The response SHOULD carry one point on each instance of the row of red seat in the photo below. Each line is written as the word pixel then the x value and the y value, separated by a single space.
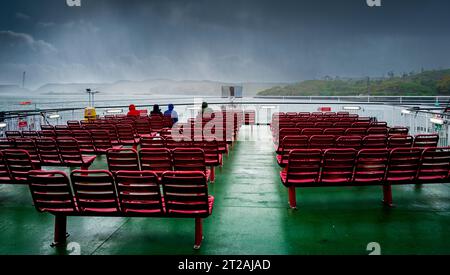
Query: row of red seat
pixel 350 167
pixel 160 160
pixel 314 114
pixel 290 143
pixel 124 194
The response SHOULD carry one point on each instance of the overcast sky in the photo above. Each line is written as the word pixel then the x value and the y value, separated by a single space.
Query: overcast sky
pixel 226 40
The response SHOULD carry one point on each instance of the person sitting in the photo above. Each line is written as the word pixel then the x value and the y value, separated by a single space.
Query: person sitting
pixel 156 111
pixel 133 112
pixel 171 113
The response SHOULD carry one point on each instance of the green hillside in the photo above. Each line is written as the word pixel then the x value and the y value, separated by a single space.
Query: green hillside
pixel 427 83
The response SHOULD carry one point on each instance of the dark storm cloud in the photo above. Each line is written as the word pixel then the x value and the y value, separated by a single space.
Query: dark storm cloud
pixel 234 40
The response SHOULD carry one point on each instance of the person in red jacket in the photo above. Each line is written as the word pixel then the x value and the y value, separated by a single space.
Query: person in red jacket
pixel 133 112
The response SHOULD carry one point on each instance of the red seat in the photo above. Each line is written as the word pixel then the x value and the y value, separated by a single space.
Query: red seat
pixel 7 143
pixel 434 165
pixel 303 168
pixel 48 152
pixel 334 131
pixel 63 133
pixel 5 176
pixel 61 127
pixel 338 166
pixel 13 134
pixel 157 160
pixel 28 145
pixel 47 134
pixel 371 165
pixel 51 192
pixel 139 193
pixel 288 144
pixel 403 165
pixel 377 131
pixel 74 125
pixel 322 142
pixel 122 159
pixel 186 194
pixel 354 142
pixel 356 132
pixel 30 134
pixel 399 131
pixel 190 159
pixel 143 127
pixel 343 124
pixel 400 141
pixel 126 135
pixel 85 141
pixel 323 124
pixel 47 128
pixel 19 164
pixel 102 141
pixel 312 131
pixel 374 142
pixel 95 191
pixel 426 141
pixel 153 142
pixel 71 154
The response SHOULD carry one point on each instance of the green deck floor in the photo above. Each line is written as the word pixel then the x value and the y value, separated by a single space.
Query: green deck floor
pixel 250 217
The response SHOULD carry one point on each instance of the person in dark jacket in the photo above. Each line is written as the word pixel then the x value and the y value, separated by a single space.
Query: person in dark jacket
pixel 156 111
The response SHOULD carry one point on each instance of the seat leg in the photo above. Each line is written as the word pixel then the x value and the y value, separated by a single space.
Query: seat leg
pixel 61 235
pixel 387 195
pixel 198 233
pixel 292 198
pixel 213 174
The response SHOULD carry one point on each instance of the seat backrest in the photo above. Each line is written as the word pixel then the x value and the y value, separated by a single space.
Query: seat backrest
pixel 125 131
pixel 334 131
pixel 28 145
pixel 354 142
pixel 95 191
pixel 48 150
pixel 322 142
pixel 153 142
pixel 303 166
pixel 47 134
pixel 19 164
pixel 186 193
pixel 399 131
pixel 155 159
pixel 5 176
pixel 338 165
pixel 47 127
pixel 324 124
pixel 189 159
pixel 172 144
pixel 74 124
pixel 143 127
pixel 61 127
pixel 63 133
pixel 101 139
pixel 400 141
pixel 434 164
pixel 69 150
pixel 288 132
pixel 356 132
pixel 374 142
pixel 371 166
pixel 7 143
pixel 139 192
pixel 13 134
pixel 290 143
pixel 361 124
pixel 426 141
pixel 312 131
pixel 51 192
pixel 122 159
pixel 404 164
pixel 30 134
pixel 377 131
pixel 343 124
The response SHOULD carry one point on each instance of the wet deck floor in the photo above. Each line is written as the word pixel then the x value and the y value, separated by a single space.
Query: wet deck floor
pixel 250 217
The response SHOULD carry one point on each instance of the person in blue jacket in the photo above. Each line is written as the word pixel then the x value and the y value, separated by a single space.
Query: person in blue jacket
pixel 172 113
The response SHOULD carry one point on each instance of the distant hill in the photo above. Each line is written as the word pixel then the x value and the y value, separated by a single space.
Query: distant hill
pixel 427 83
pixel 153 87
pixel 12 90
